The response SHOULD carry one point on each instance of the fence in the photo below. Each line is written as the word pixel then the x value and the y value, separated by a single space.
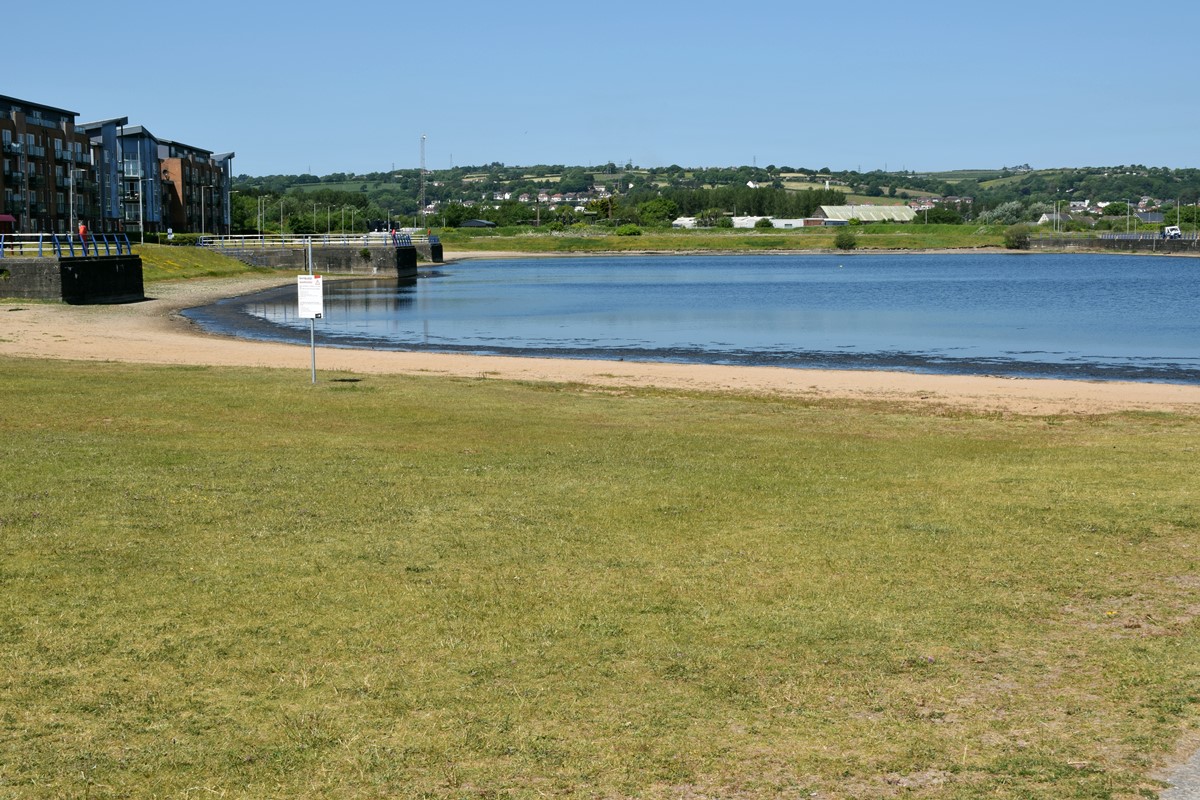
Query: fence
pixel 62 245
pixel 405 238
pixel 1125 242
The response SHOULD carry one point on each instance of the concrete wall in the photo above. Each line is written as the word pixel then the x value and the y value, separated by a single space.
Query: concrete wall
pixel 1150 244
pixel 400 262
pixel 98 279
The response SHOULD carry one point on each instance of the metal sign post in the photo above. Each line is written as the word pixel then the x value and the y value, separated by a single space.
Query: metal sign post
pixel 311 305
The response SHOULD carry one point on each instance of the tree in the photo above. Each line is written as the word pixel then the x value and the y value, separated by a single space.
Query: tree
pixel 938 215
pixel 659 211
pixel 708 217
pixel 845 239
pixel 575 180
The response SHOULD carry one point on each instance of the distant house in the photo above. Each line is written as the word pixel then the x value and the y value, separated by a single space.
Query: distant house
pixel 1050 219
pixel 684 222
pixel 866 213
pixel 477 223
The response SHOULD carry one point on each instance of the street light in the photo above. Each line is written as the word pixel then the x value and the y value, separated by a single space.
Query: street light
pixel 203 217
pixel 72 171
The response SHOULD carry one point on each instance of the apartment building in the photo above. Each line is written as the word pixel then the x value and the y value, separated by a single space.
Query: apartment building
pixel 107 174
pixel 49 179
pixel 195 187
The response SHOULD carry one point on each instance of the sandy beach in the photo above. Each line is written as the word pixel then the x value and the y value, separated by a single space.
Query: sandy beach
pixel 153 332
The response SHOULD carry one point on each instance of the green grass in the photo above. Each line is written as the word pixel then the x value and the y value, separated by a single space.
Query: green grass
pixel 870 237
pixel 229 582
pixel 164 262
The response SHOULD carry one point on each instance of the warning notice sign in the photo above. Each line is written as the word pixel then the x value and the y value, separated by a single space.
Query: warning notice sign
pixel 311 296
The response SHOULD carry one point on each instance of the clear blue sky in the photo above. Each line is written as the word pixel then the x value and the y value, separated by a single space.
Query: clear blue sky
pixel 351 87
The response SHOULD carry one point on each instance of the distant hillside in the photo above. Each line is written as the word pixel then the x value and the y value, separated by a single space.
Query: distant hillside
pixel 529 194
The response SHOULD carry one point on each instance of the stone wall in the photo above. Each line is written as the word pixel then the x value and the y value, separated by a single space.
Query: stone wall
pixel 92 279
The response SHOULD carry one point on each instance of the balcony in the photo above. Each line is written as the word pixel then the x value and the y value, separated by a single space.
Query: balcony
pixel 13 175
pixel 12 147
pixel 37 152
pixel 37 181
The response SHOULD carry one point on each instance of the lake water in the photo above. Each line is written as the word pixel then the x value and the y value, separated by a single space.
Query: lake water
pixel 1033 315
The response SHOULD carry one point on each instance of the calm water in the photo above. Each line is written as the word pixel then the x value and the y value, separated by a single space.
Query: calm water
pixel 1076 316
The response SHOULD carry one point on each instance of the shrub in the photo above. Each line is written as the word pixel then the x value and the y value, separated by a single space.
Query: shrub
pixel 764 223
pixel 845 239
pixel 629 230
pixel 365 254
pixel 177 240
pixel 1016 237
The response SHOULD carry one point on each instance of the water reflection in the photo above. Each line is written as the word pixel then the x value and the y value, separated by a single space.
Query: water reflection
pixel 1068 316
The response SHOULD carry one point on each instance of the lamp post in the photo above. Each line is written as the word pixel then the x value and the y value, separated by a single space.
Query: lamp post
pixel 142 208
pixel 232 192
pixel 72 171
pixel 203 216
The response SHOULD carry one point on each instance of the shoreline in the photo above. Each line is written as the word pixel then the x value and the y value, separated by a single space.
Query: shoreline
pixel 154 332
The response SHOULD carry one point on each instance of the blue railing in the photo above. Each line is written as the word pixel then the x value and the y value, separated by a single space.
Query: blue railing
pixel 63 244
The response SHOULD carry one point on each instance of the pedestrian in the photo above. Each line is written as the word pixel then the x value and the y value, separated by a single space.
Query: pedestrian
pixel 83 235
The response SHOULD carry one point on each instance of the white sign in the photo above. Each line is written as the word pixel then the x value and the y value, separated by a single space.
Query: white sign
pixel 311 296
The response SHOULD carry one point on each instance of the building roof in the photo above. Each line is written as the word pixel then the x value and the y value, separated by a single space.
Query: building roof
pixel 869 213
pixel 16 101
pixel 134 131
pixel 181 145
pixel 100 123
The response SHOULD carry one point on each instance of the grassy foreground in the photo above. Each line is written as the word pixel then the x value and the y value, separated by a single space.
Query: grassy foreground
pixel 229 583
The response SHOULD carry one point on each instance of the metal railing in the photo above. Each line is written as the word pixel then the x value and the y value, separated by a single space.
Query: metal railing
pixel 61 245
pixel 401 238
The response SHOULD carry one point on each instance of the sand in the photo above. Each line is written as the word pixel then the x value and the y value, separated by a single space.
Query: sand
pixel 153 332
